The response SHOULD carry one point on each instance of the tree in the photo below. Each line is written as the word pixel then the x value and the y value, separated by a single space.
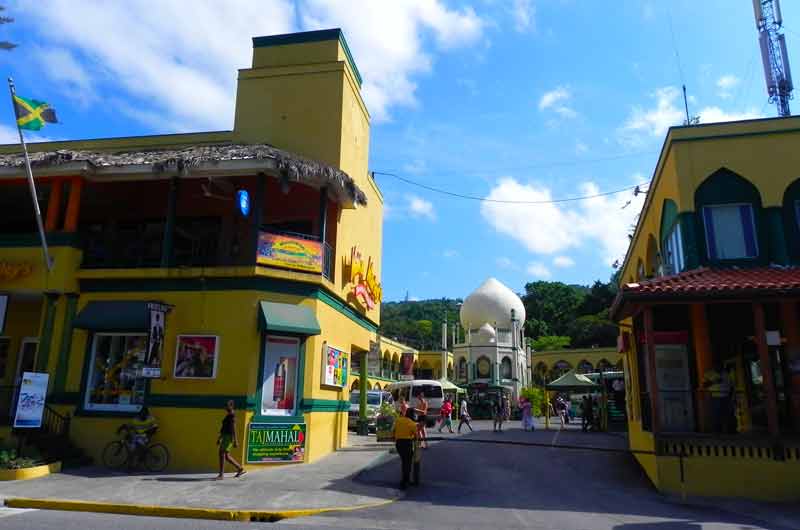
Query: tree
pixel 593 330
pixel 551 342
pixel 6 45
pixel 553 302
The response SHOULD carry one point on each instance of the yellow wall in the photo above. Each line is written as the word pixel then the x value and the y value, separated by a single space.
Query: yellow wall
pixel 23 318
pixel 575 356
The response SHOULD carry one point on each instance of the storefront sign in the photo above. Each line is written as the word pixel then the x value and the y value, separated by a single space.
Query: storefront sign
pixel 30 403
pixel 334 363
pixel 12 271
pixel 3 311
pixel 155 340
pixel 276 442
pixel 278 250
pixel 366 287
pixel 196 357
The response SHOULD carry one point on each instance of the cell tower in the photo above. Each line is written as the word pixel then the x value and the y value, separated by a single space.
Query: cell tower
pixel 774 57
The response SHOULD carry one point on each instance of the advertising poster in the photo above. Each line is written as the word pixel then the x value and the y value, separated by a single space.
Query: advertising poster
pixel 276 442
pixel 30 403
pixel 155 340
pixel 290 252
pixel 407 365
pixel 196 357
pixel 280 376
pixel 334 363
pixel 374 358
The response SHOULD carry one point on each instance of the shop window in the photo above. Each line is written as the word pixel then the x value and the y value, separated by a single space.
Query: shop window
pixel 730 231
pixel 673 251
pixel 279 380
pixel 115 367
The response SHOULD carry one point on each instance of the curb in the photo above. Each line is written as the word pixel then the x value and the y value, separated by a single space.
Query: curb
pixel 29 473
pixel 182 512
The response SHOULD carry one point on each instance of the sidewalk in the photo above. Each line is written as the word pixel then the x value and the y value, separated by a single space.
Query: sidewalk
pixel 274 492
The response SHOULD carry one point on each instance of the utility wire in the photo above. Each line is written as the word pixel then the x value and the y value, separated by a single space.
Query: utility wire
pixel 636 191
pixel 675 45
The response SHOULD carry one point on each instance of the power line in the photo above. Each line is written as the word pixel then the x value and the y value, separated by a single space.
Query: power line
pixel 636 191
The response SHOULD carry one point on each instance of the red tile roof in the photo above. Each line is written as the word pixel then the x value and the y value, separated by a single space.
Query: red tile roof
pixel 706 282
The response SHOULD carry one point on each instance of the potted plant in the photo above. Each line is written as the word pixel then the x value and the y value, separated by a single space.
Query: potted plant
pixel 385 422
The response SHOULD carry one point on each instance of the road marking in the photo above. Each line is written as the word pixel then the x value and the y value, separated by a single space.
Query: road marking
pixel 8 512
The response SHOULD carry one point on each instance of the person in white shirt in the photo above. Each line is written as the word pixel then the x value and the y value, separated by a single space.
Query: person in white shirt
pixel 463 416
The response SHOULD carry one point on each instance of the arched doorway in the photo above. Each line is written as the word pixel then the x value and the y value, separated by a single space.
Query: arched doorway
pixel 354 386
pixel 505 368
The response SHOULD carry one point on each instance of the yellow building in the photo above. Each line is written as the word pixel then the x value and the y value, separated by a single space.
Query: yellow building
pixel 190 269
pixel 383 364
pixel 708 309
pixel 550 365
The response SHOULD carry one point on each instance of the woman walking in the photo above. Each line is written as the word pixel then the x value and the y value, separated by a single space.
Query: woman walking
pixel 463 416
pixel 446 415
pixel 227 440
pixel 527 415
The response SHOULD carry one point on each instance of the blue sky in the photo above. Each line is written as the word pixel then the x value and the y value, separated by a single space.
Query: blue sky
pixel 508 100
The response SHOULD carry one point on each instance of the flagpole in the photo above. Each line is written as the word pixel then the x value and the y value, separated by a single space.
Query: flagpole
pixel 47 260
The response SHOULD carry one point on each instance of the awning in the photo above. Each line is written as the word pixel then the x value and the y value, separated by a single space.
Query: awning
pixel 571 381
pixel 119 315
pixel 287 318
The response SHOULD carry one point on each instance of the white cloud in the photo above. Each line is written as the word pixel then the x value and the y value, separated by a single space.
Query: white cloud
pixel 581 148
pixel 655 121
pixel 563 262
pixel 61 66
pixel 538 270
pixel 726 83
pixel 523 12
pixel 386 39
pixel 557 101
pixel 10 135
pixel 716 114
pixel 554 228
pixel 177 65
pixel 419 208
pixel 669 111
pixel 506 263
pixel 450 253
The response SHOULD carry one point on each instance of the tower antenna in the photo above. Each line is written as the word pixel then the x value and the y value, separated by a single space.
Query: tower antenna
pixel 774 57
pixel 690 120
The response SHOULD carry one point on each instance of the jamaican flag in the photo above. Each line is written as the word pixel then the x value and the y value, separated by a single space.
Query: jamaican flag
pixel 31 113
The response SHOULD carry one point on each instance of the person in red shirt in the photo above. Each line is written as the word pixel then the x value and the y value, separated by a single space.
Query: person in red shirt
pixel 446 413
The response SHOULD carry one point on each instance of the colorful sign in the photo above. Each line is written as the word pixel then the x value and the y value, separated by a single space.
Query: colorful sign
pixel 30 403
pixel 12 271
pixel 290 252
pixel 276 442
pixel 334 364
pixel 196 357
pixel 366 287
pixel 406 365
pixel 155 340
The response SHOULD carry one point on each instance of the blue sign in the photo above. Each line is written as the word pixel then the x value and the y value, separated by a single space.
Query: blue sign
pixel 243 198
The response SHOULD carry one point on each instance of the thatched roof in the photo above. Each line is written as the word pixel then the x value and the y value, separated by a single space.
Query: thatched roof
pixel 185 160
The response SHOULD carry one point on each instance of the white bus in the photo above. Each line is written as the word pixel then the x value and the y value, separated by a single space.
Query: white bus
pixel 409 390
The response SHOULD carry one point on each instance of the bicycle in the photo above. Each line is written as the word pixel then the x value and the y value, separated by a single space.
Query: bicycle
pixel 126 452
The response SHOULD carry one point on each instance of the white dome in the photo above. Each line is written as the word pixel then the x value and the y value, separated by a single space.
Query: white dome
pixel 487 334
pixel 491 302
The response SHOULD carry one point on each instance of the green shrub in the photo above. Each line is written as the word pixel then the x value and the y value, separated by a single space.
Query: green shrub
pixel 536 396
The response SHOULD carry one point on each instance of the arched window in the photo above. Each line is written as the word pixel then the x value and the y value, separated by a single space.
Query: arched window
pixel 604 366
pixel 462 369
pixel 377 386
pixel 729 207
pixel 585 367
pixel 483 368
pixel 395 367
pixel 559 369
pixel 671 240
pixel 354 386
pixel 505 368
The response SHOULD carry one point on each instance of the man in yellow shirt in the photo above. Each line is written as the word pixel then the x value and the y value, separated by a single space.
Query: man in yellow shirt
pixel 405 432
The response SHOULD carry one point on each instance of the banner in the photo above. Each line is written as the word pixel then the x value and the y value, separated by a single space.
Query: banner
pixel 374 358
pixel 30 403
pixel 334 363
pixel 276 442
pixel 289 252
pixel 155 340
pixel 406 366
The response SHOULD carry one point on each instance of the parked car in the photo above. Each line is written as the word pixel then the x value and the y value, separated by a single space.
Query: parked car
pixel 375 398
pixel 409 390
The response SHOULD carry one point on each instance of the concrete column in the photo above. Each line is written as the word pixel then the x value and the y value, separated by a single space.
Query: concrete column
pixel 73 205
pixel 53 206
pixel 766 369
pixel 650 345
pixel 703 359
pixel 791 332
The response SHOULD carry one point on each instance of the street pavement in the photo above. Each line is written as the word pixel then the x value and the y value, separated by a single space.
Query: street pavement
pixel 469 484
